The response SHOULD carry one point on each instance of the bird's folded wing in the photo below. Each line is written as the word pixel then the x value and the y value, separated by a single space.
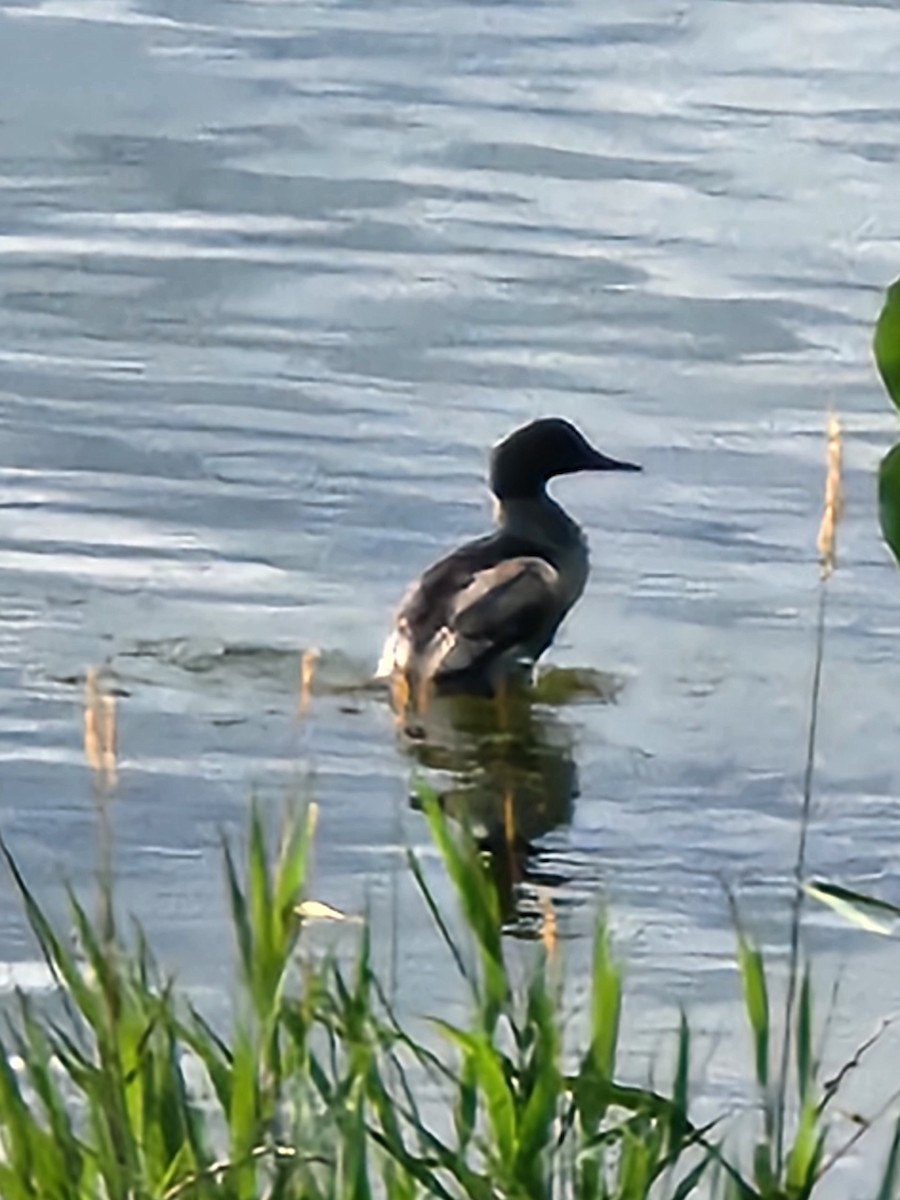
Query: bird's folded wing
pixel 502 608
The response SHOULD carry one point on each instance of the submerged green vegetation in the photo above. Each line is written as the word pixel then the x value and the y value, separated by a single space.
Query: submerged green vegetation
pixel 120 1089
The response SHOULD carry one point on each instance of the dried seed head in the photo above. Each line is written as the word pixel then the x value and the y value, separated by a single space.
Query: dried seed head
pixel 308 661
pixel 100 732
pixel 834 501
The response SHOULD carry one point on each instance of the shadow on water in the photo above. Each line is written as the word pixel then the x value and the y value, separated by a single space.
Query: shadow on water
pixel 509 774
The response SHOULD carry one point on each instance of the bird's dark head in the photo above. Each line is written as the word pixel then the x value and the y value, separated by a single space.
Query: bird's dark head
pixel 523 462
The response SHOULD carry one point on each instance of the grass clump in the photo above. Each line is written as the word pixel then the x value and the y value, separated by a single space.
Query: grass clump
pixel 315 1091
pixel 318 1089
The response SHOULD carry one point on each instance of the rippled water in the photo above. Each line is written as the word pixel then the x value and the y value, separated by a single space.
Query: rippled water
pixel 272 279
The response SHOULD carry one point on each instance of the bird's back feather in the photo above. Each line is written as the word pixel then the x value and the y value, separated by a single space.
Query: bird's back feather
pixel 491 601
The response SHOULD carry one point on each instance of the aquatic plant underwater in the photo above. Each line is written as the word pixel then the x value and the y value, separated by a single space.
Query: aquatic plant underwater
pixel 121 1089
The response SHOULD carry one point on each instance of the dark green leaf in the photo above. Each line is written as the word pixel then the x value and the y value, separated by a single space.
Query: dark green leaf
pixel 887 342
pixel 889 499
pixel 691 1180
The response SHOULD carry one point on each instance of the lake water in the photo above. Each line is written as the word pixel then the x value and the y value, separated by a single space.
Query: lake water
pixel 273 277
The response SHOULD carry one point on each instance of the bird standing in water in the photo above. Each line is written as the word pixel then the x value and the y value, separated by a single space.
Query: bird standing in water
pixel 483 615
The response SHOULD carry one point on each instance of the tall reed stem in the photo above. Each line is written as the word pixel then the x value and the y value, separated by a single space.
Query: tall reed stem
pixel 827 546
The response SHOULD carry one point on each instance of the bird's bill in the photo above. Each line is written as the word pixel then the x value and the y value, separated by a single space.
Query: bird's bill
pixel 602 462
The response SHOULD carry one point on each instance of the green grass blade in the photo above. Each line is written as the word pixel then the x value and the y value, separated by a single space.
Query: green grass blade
pixel 381 1099
pixel 691 1181
pixel 487 1070
pixel 35 1050
pixel 437 916
pixel 474 1185
pixel 478 900
pixel 763 1171
pixel 355 1182
pixel 100 956
pixel 889 1181
pixel 805 1063
pixel 606 1004
pixel 16 1120
pixel 397 1181
pixel 293 861
pixel 321 1080
pixel 60 961
pixel 422 1169
pixel 498 1100
pixel 13 1186
pixel 212 1052
pixel 240 917
pixel 243 1116
pixel 260 915
pixel 635 1166
pixel 180 1118
pixel 540 1083
pixel 466 1107
pixel 682 1078
pixel 756 1002
pixel 805 1155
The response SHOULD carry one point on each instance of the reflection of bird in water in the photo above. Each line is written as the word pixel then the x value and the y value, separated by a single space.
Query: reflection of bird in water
pixel 482 616
pixel 513 778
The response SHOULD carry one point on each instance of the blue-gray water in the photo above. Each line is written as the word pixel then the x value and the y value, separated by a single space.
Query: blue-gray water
pixel 273 277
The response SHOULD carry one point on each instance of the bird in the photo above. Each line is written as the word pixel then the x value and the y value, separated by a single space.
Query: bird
pixel 481 617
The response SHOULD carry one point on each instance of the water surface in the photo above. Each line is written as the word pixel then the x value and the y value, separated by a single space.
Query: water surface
pixel 272 280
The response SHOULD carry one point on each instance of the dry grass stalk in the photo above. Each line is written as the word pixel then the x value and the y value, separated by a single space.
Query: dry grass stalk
pixel 834 499
pixel 827 546
pixel 308 660
pixel 509 820
pixel 100 732
pixel 312 820
pixel 548 926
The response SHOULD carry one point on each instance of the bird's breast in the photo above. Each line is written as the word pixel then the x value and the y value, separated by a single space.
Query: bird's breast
pixel 573 565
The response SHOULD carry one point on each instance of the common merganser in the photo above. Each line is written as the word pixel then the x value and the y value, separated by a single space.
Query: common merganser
pixel 483 615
